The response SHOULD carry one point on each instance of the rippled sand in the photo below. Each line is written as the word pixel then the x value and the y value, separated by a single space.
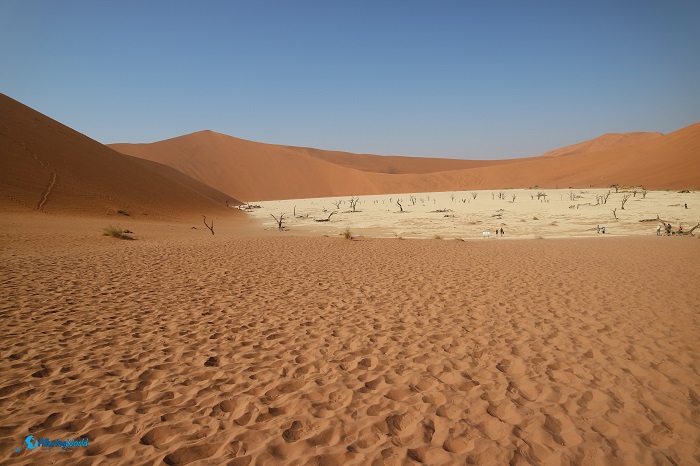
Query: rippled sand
pixel 182 347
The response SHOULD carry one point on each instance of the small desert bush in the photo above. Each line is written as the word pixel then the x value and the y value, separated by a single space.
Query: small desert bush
pixel 116 232
pixel 347 234
pixel 437 237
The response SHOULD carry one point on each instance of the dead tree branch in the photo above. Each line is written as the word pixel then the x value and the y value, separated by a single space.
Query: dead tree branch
pixel 624 200
pixel 211 228
pixel 326 219
pixel 279 220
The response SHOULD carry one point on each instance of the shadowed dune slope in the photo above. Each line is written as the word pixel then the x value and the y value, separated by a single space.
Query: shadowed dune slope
pixel 604 142
pixel 252 171
pixel 49 167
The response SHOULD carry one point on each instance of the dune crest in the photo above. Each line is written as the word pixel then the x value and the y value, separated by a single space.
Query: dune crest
pixel 605 142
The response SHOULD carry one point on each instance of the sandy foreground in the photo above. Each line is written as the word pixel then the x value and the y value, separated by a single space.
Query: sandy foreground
pixel 556 213
pixel 182 347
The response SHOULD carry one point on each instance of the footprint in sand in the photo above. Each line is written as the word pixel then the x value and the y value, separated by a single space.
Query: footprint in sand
pixel 563 431
pixel 159 437
pixel 190 454
pixel 399 394
pixel 339 399
pixel 299 430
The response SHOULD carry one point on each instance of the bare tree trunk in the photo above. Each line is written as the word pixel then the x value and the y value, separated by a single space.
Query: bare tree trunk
pixel 211 228
pixel 624 199
pixel 279 220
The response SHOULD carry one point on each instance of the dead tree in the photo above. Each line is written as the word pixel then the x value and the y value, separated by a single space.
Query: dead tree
pixel 279 220
pixel 614 211
pixel 644 193
pixel 211 228
pixel 336 204
pixel 413 199
pixel 474 195
pixel 690 232
pixel 353 203
pixel 326 219
pixel 452 197
pixel 605 197
pixel 398 203
pixel 616 188
pixel 513 198
pixel 624 199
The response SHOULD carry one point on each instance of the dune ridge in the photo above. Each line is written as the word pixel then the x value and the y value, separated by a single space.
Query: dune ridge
pixel 253 171
pixel 605 142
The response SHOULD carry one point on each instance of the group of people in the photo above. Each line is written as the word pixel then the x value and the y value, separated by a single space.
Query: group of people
pixel 487 233
pixel 600 229
pixel 668 229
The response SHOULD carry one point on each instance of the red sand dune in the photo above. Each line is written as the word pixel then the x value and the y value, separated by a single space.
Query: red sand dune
pixel 253 171
pixel 49 167
pixel 605 142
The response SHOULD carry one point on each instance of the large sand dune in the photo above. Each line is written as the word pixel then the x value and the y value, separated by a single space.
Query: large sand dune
pixel 51 168
pixel 253 171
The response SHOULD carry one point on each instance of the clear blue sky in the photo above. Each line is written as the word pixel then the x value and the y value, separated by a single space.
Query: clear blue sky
pixel 468 79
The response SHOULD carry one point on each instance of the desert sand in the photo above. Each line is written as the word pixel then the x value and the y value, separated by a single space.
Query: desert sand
pixel 187 348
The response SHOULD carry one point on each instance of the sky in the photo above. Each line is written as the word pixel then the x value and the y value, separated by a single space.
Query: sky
pixel 459 79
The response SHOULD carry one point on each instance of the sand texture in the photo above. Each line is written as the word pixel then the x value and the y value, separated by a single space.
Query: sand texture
pixel 186 348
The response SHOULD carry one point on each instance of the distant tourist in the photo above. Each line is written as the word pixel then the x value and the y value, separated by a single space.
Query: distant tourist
pixel 501 231
pixel 597 229
pixel 658 230
pixel 602 229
